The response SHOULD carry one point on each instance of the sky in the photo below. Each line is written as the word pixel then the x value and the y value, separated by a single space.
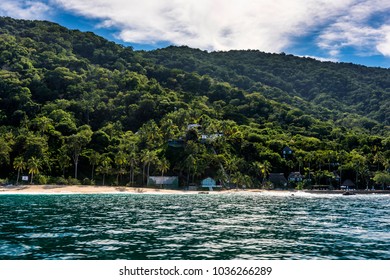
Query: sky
pixel 356 31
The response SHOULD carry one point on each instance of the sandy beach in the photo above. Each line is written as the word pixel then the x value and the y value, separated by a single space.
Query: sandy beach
pixel 82 189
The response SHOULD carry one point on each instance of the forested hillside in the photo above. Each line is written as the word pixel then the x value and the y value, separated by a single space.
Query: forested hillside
pixel 76 108
pixel 337 87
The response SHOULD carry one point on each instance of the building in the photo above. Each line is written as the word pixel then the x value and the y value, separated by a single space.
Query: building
pixel 295 177
pixel 278 180
pixel 287 152
pixel 209 183
pixel 348 184
pixel 165 182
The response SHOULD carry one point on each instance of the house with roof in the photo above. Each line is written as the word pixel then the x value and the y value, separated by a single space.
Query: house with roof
pixel 287 152
pixel 278 180
pixel 348 184
pixel 295 177
pixel 209 183
pixel 171 182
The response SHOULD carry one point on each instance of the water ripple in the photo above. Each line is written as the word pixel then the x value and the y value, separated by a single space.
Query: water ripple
pixel 248 226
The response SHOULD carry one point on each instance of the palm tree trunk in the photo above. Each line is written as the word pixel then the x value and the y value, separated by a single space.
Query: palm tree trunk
pixel 75 169
pixel 17 179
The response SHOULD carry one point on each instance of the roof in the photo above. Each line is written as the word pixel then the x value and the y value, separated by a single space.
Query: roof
pixel 166 180
pixel 208 182
pixel 277 178
pixel 193 125
pixel 295 174
pixel 348 183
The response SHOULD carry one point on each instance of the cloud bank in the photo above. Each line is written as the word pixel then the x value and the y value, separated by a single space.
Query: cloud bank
pixel 271 26
pixel 24 9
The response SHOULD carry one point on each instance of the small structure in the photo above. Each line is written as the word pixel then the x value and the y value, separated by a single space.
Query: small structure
pixel 194 126
pixel 347 184
pixel 295 177
pixel 176 143
pixel 278 179
pixel 165 182
pixel 209 183
pixel 209 137
pixel 287 151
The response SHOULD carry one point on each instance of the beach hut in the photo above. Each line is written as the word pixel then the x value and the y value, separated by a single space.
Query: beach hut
pixel 295 177
pixel 165 182
pixel 208 183
pixel 347 184
pixel 278 180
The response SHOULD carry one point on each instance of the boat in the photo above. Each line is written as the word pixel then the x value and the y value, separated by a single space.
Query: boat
pixel 348 193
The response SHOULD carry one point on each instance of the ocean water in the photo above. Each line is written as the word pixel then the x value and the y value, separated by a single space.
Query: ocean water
pixel 191 227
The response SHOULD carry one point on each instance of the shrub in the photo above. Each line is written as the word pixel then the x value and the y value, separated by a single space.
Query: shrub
pixel 73 181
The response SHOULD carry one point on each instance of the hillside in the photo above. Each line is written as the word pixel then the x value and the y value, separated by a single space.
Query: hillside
pixel 335 87
pixel 76 107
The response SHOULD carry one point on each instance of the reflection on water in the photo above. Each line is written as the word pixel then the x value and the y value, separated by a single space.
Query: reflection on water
pixel 226 226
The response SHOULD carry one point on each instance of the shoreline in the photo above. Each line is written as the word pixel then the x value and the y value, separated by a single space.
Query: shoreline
pixel 83 189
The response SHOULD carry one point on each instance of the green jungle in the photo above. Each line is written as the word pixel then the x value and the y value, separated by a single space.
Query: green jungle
pixel 78 109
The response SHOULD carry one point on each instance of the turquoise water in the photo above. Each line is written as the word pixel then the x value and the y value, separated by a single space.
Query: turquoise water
pixel 226 226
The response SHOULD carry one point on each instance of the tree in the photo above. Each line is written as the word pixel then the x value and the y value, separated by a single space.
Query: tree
pixel 382 178
pixel 33 165
pixel 19 165
pixel 105 167
pixel 148 157
pixel 358 163
pixel 263 169
pixel 63 160
pixel 163 166
pixel 5 150
pixel 76 143
pixel 132 161
pixel 120 161
pixel 94 159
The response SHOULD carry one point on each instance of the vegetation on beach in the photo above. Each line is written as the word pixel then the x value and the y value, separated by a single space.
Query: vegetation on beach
pixel 75 107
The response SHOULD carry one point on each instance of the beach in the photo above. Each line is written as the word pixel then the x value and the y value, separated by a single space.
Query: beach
pixel 83 189
pixel 93 189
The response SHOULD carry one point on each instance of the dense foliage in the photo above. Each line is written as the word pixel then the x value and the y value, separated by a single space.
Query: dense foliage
pixel 74 106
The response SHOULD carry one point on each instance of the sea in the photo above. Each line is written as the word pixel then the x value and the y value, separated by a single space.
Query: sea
pixel 234 226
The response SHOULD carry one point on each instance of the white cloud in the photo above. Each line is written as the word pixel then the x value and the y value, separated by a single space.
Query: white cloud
pixel 268 25
pixel 359 29
pixel 211 24
pixel 24 9
pixel 383 46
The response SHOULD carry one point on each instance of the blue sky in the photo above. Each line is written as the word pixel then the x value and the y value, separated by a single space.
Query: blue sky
pixel 356 31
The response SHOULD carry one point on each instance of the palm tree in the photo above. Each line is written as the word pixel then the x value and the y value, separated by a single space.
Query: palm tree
pixel 120 161
pixel 33 165
pixel 19 165
pixel 163 166
pixel 190 162
pixel 94 159
pixel 266 168
pixel 104 167
pixel 147 158
pixel 132 162
pixel 263 169
pixel 238 179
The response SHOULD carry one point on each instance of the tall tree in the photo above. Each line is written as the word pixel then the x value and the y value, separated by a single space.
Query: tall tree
pixel 33 165
pixel 76 143
pixel 19 165
pixel 148 157
pixel 163 166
